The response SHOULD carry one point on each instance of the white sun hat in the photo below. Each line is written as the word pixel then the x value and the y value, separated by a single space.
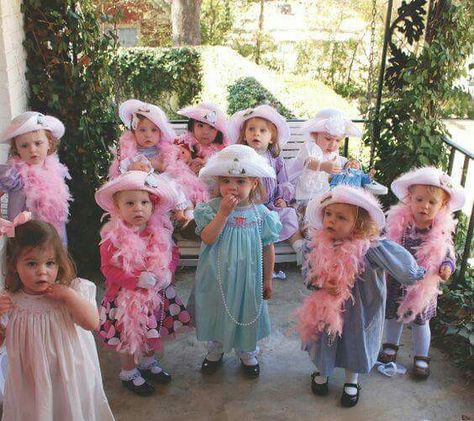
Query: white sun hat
pixel 31 121
pixel 262 111
pixel 157 185
pixel 208 113
pixel 130 108
pixel 237 161
pixel 430 176
pixel 333 122
pixel 347 195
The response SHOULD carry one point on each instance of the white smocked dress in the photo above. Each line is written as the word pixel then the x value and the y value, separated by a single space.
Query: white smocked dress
pixel 53 369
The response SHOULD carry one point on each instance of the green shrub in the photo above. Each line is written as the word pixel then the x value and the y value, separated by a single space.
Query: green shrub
pixel 68 62
pixel 168 77
pixel 248 92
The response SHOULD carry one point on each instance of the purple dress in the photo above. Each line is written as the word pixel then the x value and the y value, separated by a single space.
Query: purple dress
pixel 281 188
pixel 395 291
pixel 11 183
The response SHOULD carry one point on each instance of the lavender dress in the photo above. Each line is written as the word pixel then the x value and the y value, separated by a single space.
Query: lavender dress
pixel 11 183
pixel 412 240
pixel 281 188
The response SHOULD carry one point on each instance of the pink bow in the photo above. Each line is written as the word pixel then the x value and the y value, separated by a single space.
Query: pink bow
pixel 8 227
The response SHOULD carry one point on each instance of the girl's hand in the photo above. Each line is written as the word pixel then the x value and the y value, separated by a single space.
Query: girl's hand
pixel 445 272
pixel 312 164
pixel 331 166
pixel 372 173
pixel 5 304
pixel 158 164
pixel 228 204
pixel 267 289
pixel 139 166
pixel 59 292
pixel 197 164
pixel 280 203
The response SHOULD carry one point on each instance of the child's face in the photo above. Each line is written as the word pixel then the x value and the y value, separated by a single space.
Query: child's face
pixel 204 133
pixel 185 154
pixel 339 220
pixel 33 147
pixel 425 204
pixel 326 142
pixel 135 207
pixel 353 163
pixel 147 134
pixel 37 269
pixel 258 134
pixel 240 187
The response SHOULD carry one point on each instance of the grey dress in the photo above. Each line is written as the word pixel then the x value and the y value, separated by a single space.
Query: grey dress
pixel 357 348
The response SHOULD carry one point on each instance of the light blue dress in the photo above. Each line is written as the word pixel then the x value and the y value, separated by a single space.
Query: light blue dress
pixel 358 347
pixel 238 248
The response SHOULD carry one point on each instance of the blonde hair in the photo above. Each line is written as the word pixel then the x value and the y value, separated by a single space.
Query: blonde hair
pixel 52 147
pixel 274 147
pixel 365 227
pixel 257 195
pixel 36 234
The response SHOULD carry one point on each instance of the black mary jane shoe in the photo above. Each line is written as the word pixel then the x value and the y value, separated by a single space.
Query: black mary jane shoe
pixel 162 377
pixel 320 389
pixel 210 367
pixel 348 401
pixel 145 389
pixel 251 371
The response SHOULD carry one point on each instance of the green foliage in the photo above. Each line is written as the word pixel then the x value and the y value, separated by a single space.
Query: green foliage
pixel 216 21
pixel 460 105
pixel 171 78
pixel 453 328
pixel 248 92
pixel 420 83
pixel 68 70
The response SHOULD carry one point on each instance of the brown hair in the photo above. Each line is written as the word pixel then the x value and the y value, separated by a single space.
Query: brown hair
pixel 30 235
pixel 257 195
pixel 436 191
pixel 219 136
pixel 53 143
pixel 274 147
pixel 365 227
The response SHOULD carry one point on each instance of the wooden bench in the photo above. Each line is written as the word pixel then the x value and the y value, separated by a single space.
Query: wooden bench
pixel 189 250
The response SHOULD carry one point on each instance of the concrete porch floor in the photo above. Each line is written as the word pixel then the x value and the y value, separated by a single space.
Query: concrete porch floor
pixel 283 390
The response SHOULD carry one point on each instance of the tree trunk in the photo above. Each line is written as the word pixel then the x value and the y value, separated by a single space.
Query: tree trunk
pixel 259 34
pixel 185 16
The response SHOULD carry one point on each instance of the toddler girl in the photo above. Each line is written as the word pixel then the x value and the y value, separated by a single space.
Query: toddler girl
pixel 148 146
pixel 234 274
pixel 33 177
pixel 266 131
pixel 139 306
pixel 53 369
pixel 318 157
pixel 207 132
pixel 423 223
pixel 341 321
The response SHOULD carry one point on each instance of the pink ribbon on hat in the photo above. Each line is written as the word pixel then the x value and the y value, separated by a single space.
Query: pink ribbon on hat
pixel 8 227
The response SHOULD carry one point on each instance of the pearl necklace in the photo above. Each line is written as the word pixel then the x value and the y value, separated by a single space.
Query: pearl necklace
pixel 260 264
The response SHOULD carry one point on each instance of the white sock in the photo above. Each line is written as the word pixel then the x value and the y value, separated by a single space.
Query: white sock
pixel 214 350
pixel 150 363
pixel 421 337
pixel 320 379
pixel 134 375
pixel 351 377
pixel 393 333
pixel 248 358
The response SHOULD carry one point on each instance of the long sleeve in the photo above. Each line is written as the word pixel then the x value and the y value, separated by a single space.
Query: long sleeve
pixel 397 261
pixel 10 179
pixel 297 164
pixel 285 190
pixel 115 277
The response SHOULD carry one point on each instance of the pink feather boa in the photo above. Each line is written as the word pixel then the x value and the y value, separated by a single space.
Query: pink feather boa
pixel 194 189
pixel 47 194
pixel 333 267
pixel 136 253
pixel 429 255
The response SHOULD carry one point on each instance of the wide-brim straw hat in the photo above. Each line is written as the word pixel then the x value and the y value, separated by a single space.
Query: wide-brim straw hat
pixel 208 113
pixel 333 122
pixel 430 176
pixel 155 114
pixel 238 119
pixel 346 195
pixel 31 121
pixel 136 180
pixel 237 161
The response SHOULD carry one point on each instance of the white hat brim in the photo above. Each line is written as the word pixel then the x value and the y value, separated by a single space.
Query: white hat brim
pixel 31 121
